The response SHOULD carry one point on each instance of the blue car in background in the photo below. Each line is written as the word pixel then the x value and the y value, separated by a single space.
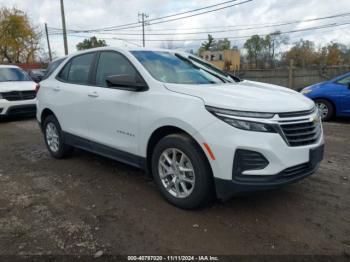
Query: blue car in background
pixel 331 97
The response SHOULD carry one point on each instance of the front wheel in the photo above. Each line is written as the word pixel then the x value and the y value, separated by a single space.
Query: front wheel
pixel 181 172
pixel 325 109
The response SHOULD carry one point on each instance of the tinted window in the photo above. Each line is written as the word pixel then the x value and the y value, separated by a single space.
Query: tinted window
pixel 111 63
pixel 63 75
pixel 344 81
pixel 77 70
pixel 13 74
pixel 52 66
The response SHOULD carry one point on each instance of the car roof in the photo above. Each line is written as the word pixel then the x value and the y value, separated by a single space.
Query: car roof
pixel 124 49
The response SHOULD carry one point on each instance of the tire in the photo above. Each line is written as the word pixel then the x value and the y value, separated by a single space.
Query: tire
pixel 326 109
pixel 200 191
pixel 61 150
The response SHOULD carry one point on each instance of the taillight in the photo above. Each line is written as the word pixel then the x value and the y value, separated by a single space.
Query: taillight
pixel 37 87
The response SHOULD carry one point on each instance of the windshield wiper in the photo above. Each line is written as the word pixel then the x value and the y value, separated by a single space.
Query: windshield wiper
pixel 187 60
pixel 211 67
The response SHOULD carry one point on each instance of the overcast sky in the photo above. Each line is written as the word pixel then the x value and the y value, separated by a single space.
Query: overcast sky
pixel 85 14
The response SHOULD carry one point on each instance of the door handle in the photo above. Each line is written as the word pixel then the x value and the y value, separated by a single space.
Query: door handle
pixel 56 88
pixel 93 94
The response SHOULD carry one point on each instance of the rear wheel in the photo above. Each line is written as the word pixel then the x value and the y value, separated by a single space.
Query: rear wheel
pixel 325 108
pixel 181 172
pixel 54 139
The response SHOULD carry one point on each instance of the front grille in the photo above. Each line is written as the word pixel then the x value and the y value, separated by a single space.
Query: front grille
pixel 297 114
pixel 18 95
pixel 296 170
pixel 301 134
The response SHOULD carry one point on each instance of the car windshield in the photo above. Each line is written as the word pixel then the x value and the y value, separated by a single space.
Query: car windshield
pixel 173 68
pixel 13 74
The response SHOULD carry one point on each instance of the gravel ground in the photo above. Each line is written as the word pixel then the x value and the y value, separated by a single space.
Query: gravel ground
pixel 88 204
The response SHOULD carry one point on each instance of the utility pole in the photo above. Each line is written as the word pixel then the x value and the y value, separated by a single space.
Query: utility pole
pixel 143 21
pixel 48 42
pixel 64 29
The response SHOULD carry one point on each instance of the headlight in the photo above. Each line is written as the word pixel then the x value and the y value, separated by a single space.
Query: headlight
pixel 239 113
pixel 306 91
pixel 225 114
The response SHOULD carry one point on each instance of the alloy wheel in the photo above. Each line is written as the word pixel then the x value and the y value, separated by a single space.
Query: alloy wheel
pixel 52 137
pixel 323 109
pixel 176 173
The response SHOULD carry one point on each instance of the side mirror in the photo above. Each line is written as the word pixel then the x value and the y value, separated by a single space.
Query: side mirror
pixel 126 82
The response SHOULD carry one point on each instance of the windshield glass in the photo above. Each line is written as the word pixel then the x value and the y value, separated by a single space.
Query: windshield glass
pixel 170 68
pixel 13 74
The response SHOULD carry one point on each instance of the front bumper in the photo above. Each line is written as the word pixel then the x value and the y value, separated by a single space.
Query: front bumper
pixel 21 108
pixel 225 189
pixel 276 157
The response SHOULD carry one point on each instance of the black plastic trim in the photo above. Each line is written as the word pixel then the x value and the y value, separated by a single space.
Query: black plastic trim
pixel 21 110
pixel 225 189
pixel 119 155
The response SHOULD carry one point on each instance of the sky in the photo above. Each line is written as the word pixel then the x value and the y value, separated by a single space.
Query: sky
pixel 92 14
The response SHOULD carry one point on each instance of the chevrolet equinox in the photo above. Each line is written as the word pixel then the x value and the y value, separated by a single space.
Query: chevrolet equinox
pixel 198 131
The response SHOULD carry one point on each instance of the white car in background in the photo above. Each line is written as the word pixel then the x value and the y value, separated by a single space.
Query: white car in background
pixel 196 129
pixel 17 92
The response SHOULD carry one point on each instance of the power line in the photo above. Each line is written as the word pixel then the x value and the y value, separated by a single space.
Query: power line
pixel 241 29
pixel 238 37
pixel 137 25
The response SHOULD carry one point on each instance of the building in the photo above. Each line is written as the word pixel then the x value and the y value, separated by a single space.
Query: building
pixel 228 60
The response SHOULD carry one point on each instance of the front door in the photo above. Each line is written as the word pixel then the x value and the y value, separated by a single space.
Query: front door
pixel 113 120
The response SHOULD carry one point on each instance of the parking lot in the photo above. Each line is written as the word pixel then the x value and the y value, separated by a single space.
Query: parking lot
pixel 88 203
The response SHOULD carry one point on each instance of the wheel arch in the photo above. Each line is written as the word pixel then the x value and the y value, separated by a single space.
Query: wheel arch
pixel 45 113
pixel 328 100
pixel 166 130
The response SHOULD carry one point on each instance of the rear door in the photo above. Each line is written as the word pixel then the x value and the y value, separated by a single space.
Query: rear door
pixel 113 120
pixel 71 94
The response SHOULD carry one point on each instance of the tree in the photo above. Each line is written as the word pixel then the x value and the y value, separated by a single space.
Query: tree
pixel 332 54
pixel 208 45
pixel 255 46
pixel 19 39
pixel 221 45
pixel 303 53
pixel 91 43
pixel 271 44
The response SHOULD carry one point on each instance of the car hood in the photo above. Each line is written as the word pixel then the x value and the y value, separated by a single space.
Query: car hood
pixel 17 86
pixel 247 96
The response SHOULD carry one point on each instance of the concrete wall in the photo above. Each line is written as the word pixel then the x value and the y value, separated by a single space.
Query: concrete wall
pixel 295 78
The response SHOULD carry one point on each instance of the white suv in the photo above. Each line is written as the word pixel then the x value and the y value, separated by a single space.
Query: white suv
pixel 197 130
pixel 17 92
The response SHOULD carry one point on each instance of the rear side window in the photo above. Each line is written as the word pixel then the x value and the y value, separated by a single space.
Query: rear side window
pixel 112 63
pixel 52 66
pixel 77 70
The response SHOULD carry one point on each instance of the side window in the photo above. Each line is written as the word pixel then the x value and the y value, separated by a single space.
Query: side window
pixel 344 81
pixel 79 68
pixel 111 63
pixel 63 74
